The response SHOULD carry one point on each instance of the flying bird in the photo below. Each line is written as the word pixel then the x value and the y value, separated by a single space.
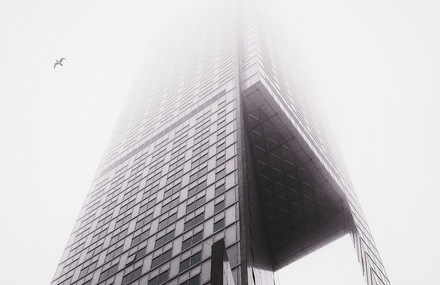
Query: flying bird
pixel 58 62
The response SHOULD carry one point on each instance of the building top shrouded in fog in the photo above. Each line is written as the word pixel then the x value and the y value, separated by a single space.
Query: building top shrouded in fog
pixel 218 171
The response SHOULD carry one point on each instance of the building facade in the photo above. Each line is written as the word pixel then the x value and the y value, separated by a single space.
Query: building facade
pixel 217 171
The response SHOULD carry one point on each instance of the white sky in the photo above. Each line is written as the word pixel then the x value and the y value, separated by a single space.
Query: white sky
pixel 374 64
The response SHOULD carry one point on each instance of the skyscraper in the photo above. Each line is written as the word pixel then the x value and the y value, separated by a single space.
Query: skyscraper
pixel 218 171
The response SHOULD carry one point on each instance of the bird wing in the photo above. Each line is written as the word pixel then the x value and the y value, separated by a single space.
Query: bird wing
pixel 61 60
pixel 55 65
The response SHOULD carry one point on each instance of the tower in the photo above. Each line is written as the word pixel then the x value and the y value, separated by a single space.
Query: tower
pixel 218 171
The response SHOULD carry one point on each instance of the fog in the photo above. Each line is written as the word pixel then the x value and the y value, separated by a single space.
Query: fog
pixel 374 67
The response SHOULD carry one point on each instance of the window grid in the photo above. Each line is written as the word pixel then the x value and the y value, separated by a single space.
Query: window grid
pixel 190 262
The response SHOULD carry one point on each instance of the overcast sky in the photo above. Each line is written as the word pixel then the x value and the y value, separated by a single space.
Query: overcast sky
pixel 375 66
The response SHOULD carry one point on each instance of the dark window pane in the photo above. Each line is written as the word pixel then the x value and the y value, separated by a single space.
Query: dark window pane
pixel 184 265
pixel 219 225
pixel 186 243
pixel 196 258
pixel 198 237
pixel 219 206
pixel 163 277
pixel 194 281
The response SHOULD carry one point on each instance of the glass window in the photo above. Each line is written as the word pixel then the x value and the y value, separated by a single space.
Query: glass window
pixel 135 274
pixel 219 206
pixel 140 238
pixel 160 279
pixel 113 254
pixel 194 221
pixel 109 272
pixel 164 239
pixel 144 221
pixel 169 205
pixel 137 256
pixel 193 281
pixel 219 225
pixel 195 204
pixel 220 189
pixel 164 257
pixel 191 261
pixel 167 221
pixel 192 240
